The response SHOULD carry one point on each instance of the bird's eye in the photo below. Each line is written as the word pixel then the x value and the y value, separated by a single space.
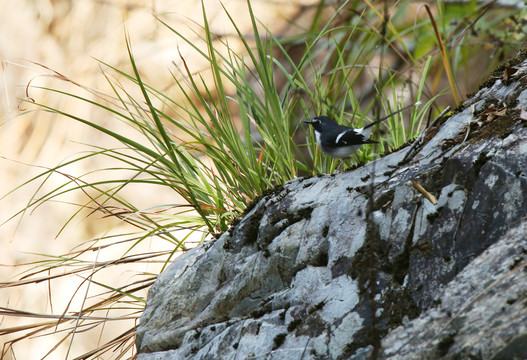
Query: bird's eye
pixel 315 121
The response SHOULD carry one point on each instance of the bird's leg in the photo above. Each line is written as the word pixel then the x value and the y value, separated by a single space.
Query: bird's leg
pixel 342 161
pixel 338 166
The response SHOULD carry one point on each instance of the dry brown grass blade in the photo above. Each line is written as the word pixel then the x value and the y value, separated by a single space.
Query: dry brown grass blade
pixel 444 55
pixel 429 196
pixel 117 342
pixel 26 314
pixel 112 299
pixel 125 260
pixel 38 329
pixel 16 329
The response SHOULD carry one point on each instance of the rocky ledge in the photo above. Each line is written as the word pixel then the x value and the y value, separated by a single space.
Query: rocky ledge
pixel 419 255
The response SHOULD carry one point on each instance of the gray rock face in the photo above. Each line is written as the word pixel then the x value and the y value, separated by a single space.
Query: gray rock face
pixel 483 312
pixel 362 265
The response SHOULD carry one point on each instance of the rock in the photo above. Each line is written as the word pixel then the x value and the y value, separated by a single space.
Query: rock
pixel 482 314
pixel 362 264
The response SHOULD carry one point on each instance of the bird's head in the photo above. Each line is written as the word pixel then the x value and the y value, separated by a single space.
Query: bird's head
pixel 319 122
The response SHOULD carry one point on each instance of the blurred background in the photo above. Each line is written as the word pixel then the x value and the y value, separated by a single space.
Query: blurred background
pixel 47 39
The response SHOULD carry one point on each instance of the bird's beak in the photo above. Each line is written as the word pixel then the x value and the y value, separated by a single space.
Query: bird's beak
pixel 307 122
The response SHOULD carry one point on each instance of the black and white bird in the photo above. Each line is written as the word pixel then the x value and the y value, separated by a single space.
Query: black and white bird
pixel 341 141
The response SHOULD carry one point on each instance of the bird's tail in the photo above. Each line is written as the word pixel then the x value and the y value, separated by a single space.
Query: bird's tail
pixel 392 114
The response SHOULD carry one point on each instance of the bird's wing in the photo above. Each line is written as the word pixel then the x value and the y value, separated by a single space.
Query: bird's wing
pixel 352 137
